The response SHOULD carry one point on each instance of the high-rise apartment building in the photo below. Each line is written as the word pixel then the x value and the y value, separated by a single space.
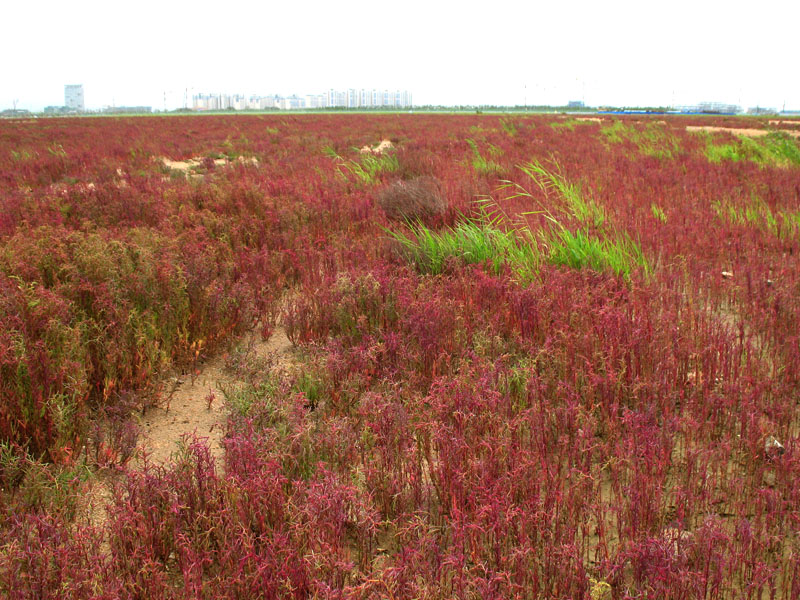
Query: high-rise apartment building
pixel 73 97
pixel 351 98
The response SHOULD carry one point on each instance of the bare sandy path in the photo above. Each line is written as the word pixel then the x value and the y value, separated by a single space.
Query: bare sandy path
pixel 737 131
pixel 196 406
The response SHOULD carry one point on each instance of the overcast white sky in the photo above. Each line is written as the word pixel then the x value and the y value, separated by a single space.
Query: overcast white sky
pixel 499 52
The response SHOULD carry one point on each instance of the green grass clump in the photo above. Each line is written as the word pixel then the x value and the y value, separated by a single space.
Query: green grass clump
pixel 472 241
pixel 509 125
pixel 492 239
pixel 775 149
pixel 658 212
pixel 781 223
pixel 617 132
pixel 480 242
pixel 570 124
pixel 581 250
pixel 716 153
pixel 481 164
pixel 367 168
pixel 651 140
pixel 586 211
pixel 596 244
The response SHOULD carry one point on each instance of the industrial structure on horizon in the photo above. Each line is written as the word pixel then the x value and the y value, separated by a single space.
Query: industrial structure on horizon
pixel 351 98
pixel 710 108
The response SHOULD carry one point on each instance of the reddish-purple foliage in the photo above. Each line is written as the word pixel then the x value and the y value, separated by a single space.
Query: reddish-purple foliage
pixel 462 435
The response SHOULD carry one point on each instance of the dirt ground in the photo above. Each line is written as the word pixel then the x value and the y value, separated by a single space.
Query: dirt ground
pixel 196 406
pixel 736 131
pixel 383 146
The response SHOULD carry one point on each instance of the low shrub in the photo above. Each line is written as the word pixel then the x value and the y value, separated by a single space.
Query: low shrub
pixel 419 199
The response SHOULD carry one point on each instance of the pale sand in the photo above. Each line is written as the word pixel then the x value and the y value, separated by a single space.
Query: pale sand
pixel 736 131
pixel 379 149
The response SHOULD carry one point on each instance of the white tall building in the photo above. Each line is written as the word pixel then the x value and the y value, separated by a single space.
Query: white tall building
pixel 73 97
pixel 316 101
pixel 336 98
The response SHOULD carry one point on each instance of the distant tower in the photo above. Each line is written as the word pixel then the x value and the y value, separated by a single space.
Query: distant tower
pixel 73 97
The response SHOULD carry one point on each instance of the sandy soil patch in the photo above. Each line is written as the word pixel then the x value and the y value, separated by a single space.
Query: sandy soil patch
pixel 595 119
pixel 196 404
pixel 384 146
pixel 193 163
pixel 64 189
pixel 737 131
pixel 188 165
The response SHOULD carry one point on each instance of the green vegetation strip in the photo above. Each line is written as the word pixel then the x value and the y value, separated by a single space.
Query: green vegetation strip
pixel 481 164
pixel 651 140
pixel 782 223
pixel 367 168
pixel 490 239
pixel 775 149
pixel 472 242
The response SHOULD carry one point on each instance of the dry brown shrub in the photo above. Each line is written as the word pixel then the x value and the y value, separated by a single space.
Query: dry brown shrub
pixel 419 199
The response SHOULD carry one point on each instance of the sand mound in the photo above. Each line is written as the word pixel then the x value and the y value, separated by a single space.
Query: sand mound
pixel 736 131
pixel 384 146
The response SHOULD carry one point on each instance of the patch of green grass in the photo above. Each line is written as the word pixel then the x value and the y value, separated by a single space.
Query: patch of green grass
pixel 367 167
pixel 57 150
pixel 782 148
pixel 51 488
pixel 651 140
pixel 775 149
pixel 716 153
pixel 311 385
pixel 472 241
pixel 23 156
pixel 570 124
pixel 570 194
pixel 756 213
pixel 791 221
pixel 519 250
pixel 606 249
pixel 481 164
pixel 658 212
pixel 509 125
pixel 493 239
pixel 580 250
pixel 478 129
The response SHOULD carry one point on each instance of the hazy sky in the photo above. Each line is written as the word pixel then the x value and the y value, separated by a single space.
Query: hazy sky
pixel 602 52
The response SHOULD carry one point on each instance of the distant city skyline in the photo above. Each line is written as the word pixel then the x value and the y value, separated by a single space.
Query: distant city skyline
pixel 171 100
pixel 350 98
pixel 333 98
pixel 620 52
pixel 74 95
